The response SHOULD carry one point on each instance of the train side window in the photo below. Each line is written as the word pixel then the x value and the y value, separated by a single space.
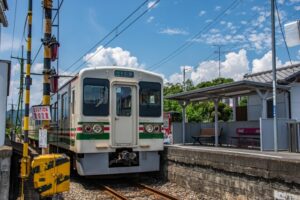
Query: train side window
pixel 64 102
pixel 95 97
pixel 150 99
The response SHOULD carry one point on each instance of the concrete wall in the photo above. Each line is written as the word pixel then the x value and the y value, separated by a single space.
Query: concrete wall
pixel 229 130
pixel 295 101
pixel 254 106
pixel 231 176
pixel 267 134
pixel 4 80
pixel 5 160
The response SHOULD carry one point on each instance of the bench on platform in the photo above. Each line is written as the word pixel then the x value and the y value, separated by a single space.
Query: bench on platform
pixel 247 137
pixel 205 134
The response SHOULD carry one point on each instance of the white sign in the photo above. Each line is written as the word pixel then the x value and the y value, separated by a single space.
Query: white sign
pixel 292 33
pixel 285 196
pixel 41 113
pixel 42 138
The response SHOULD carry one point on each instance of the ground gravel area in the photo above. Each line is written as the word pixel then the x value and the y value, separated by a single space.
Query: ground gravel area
pixel 87 188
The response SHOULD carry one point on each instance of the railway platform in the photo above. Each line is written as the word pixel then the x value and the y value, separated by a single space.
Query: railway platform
pixel 230 173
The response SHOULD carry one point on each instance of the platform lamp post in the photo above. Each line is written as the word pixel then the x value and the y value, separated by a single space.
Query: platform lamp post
pixel 274 75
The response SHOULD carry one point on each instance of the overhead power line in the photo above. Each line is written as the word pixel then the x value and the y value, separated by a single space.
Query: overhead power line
pixel 118 34
pixel 190 42
pixel 108 34
pixel 281 29
pixel 14 26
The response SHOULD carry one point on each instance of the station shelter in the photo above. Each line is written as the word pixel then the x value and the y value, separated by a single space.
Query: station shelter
pixel 254 120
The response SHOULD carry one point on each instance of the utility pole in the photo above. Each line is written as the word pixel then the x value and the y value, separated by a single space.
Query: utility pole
pixel 47 4
pixel 219 52
pixel 274 75
pixel 12 113
pixel 184 84
pixel 25 161
pixel 21 89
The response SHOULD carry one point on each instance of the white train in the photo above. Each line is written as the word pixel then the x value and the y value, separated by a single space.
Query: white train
pixel 109 119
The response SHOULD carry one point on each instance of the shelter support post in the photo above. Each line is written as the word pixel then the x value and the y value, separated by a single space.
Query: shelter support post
pixel 183 105
pixel 234 100
pixel 216 103
pixel 263 97
pixel 287 105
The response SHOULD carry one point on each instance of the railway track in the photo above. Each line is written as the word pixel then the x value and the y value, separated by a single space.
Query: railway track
pixel 138 191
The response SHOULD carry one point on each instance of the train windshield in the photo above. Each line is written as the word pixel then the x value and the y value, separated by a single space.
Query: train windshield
pixel 150 99
pixel 95 97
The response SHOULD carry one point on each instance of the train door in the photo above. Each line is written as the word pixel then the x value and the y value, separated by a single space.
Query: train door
pixel 124 115
pixel 65 104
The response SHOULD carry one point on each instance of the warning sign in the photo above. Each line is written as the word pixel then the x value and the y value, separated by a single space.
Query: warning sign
pixel 42 138
pixel 41 113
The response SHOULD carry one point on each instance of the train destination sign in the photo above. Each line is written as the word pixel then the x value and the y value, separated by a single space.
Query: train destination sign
pixel 41 113
pixel 122 73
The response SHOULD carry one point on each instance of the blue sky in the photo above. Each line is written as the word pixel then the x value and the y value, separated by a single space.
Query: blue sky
pixel 243 31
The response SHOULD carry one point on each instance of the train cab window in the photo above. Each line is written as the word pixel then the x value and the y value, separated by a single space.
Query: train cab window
pixel 95 97
pixel 150 99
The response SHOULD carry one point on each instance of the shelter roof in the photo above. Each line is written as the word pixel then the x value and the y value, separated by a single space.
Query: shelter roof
pixel 228 90
pixel 283 74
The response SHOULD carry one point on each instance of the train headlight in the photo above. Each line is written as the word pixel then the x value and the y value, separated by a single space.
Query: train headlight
pixel 88 128
pixel 97 128
pixel 149 128
pixel 156 128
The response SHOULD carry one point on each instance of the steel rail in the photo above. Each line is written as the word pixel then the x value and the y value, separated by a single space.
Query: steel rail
pixel 114 193
pixel 157 192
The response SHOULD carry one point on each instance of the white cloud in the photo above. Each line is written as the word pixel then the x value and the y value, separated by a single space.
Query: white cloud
pixel 208 20
pixel 152 4
pixel 6 44
pixel 111 57
pixel 222 22
pixel 297 8
pixel 234 66
pixel 202 12
pixel 150 19
pixel 260 40
pixel 264 63
pixel 37 68
pixel 175 78
pixel 217 8
pixel 174 31
pixel 281 1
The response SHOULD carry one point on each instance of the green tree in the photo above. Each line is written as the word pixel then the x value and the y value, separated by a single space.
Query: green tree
pixel 198 111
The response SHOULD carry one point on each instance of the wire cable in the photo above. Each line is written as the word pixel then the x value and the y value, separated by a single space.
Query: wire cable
pixel 14 26
pixel 285 44
pixel 187 44
pixel 118 34
pixel 37 53
pixel 106 36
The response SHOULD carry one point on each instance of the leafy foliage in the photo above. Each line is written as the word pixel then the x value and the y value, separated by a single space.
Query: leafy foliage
pixel 200 111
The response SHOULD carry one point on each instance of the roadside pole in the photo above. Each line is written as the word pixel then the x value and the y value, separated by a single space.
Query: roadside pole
pixel 25 161
pixel 274 75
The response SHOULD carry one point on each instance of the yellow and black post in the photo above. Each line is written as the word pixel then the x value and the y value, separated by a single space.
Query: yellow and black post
pixel 47 4
pixel 25 161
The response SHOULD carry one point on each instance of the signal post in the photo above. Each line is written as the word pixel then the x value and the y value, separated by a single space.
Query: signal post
pixel 47 5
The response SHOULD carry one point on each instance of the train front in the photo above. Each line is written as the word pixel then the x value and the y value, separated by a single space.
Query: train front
pixel 120 116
